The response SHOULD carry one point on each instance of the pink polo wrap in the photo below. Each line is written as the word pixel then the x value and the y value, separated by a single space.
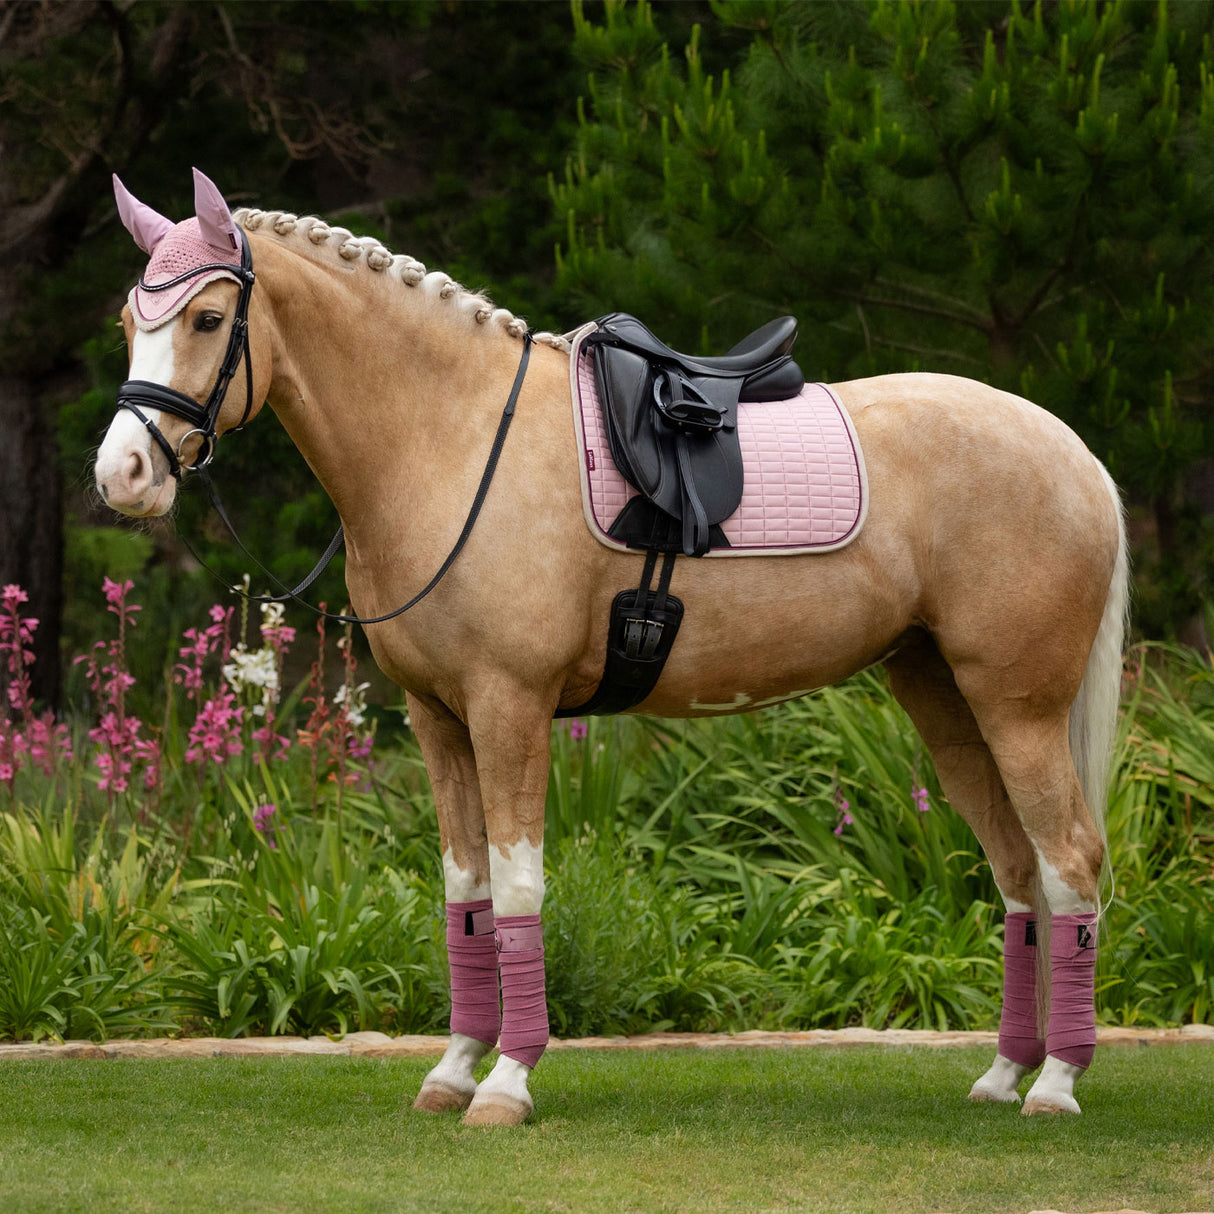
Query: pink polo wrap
pixel 1072 1031
pixel 472 955
pixel 1018 1034
pixel 524 1005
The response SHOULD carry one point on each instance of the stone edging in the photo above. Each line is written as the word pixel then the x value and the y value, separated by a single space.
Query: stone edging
pixel 380 1045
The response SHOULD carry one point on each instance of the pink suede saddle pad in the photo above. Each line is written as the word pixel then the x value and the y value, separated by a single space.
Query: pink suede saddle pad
pixel 804 483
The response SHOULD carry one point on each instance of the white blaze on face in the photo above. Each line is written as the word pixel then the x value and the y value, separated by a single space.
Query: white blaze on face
pixel 117 473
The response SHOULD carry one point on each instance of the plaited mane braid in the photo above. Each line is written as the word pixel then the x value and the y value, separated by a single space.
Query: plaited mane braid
pixel 410 271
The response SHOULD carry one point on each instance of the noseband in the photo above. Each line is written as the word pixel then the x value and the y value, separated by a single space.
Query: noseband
pixel 141 392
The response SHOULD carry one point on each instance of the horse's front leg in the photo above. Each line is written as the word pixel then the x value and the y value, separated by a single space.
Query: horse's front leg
pixel 471 948
pixel 511 735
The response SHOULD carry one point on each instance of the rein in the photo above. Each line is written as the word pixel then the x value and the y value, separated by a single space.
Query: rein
pixel 136 392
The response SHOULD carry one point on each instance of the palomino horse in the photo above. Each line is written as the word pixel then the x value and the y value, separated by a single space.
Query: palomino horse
pixel 990 578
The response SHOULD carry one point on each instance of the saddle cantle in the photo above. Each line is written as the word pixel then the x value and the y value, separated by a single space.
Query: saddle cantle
pixel 672 424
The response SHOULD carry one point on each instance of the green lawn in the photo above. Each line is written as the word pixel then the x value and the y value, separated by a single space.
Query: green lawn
pixel 830 1130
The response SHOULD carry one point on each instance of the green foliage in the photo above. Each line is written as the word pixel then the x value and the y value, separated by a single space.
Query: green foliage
pixel 793 868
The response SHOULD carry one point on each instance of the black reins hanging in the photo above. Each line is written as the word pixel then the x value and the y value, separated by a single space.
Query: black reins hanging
pixel 338 540
pixel 137 392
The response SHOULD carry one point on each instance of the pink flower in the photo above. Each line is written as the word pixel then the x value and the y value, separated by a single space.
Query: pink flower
pixel 215 734
pixel 261 823
pixel 922 799
pixel 578 729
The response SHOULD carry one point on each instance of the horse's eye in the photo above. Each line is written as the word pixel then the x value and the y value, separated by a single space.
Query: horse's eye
pixel 207 322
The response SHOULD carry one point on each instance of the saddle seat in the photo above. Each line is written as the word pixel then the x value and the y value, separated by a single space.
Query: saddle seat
pixel 751 354
pixel 671 422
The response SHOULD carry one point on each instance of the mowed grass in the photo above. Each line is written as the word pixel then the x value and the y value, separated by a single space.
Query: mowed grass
pixel 833 1130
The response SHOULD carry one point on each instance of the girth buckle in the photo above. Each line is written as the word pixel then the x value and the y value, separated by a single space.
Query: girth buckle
pixel 642 636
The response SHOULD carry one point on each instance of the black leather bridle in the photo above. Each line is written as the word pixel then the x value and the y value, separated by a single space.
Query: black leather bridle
pixel 139 392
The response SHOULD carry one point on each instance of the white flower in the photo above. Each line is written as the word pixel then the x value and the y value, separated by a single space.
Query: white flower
pixel 256 669
pixel 356 704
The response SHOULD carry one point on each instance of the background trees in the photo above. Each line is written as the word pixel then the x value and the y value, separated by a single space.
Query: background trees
pixel 1017 193
pixel 427 124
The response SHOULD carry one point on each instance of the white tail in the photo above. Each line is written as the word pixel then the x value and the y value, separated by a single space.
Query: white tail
pixel 1093 728
pixel 1093 735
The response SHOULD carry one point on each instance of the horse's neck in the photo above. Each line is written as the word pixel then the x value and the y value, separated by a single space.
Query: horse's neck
pixel 389 396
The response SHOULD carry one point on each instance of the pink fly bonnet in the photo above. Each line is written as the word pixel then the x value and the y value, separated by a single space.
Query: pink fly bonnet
pixel 209 242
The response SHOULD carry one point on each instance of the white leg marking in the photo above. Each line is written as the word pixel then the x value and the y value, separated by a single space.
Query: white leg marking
pixel 451 1085
pixel 461 886
pixel 502 1098
pixel 740 700
pixel 1062 899
pixel 999 1084
pixel 1053 1091
pixel 516 876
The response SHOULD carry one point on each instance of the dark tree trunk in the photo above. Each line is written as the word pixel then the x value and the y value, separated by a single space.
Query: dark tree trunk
pixel 43 219
pixel 31 546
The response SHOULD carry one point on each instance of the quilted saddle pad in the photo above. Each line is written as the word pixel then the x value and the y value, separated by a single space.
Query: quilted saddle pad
pixel 804 491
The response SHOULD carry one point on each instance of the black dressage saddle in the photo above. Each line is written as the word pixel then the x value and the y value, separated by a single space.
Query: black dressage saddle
pixel 672 425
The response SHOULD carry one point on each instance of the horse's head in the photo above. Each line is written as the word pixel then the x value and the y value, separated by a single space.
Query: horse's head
pixel 187 336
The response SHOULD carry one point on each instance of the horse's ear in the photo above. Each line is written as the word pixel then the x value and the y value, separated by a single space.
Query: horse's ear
pixel 218 226
pixel 145 225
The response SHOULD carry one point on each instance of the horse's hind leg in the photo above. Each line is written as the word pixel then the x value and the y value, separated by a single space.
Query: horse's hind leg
pixel 924 686
pixel 1027 731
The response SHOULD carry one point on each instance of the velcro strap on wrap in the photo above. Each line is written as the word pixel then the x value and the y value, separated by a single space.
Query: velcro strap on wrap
pixel 518 937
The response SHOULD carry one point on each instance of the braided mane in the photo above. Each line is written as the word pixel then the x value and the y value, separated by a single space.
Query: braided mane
pixel 408 270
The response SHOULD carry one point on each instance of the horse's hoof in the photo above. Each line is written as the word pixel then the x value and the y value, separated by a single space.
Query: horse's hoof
pixel 497 1109
pixel 989 1093
pixel 439 1097
pixel 1053 1104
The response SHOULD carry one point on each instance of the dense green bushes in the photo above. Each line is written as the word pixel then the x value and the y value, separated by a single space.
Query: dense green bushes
pixel 793 868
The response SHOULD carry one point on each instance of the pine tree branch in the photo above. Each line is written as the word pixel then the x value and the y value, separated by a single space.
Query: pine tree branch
pixel 976 322
pixel 927 293
pixel 908 348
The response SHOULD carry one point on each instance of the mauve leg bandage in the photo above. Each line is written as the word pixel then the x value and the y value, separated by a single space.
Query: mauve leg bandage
pixel 476 1009
pixel 520 941
pixel 1072 1033
pixel 1018 1033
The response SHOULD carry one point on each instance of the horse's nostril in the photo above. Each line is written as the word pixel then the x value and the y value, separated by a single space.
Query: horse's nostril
pixel 138 470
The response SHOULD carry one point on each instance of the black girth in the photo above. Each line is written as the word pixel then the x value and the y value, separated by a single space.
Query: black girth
pixel 140 392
